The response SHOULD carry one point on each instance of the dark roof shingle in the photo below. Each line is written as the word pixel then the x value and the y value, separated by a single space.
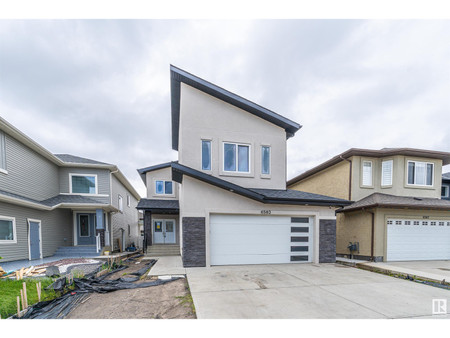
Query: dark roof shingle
pixel 78 160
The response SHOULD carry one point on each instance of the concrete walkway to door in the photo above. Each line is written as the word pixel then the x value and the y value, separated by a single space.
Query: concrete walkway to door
pixel 307 291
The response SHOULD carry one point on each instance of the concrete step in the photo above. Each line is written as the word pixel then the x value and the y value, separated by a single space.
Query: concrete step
pixel 164 250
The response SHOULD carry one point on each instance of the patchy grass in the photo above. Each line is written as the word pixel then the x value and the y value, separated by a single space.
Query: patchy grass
pixel 10 289
pixel 187 300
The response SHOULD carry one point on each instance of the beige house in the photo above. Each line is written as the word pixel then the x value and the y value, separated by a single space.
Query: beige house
pixel 225 200
pixel 397 213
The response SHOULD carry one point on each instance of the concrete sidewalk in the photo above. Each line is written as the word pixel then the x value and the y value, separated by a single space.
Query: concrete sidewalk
pixel 166 265
pixel 436 271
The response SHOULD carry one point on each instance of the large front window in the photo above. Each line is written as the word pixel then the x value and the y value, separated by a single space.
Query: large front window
pixel 236 157
pixel 420 173
pixel 83 184
pixel 7 230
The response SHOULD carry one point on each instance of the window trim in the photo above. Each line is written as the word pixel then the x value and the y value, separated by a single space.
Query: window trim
pixel 120 202
pixel 415 172
pixel 3 152
pixel 9 241
pixel 237 158
pixel 382 174
pixel 83 194
pixel 268 175
pixel 40 237
pixel 128 201
pixel 362 174
pixel 164 187
pixel 210 154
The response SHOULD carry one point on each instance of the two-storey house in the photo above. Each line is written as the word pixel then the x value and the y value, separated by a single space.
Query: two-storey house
pixel 60 204
pixel 397 212
pixel 225 200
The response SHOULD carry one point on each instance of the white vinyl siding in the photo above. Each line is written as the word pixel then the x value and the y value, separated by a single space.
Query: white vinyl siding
pixel 367 174
pixel 420 173
pixel 386 173
pixel 2 152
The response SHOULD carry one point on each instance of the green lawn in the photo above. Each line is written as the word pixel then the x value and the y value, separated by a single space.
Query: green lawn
pixel 10 289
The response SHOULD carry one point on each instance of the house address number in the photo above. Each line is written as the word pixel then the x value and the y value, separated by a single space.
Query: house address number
pixel 266 212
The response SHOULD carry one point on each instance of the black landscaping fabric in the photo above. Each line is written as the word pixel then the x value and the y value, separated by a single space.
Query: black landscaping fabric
pixel 60 307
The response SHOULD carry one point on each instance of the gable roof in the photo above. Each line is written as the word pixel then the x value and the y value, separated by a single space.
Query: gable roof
pixel 267 196
pixel 444 156
pixel 67 158
pixel 145 170
pixel 379 200
pixel 178 75
pixel 162 206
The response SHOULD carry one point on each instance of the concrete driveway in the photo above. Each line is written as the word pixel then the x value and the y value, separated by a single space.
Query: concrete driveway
pixel 308 291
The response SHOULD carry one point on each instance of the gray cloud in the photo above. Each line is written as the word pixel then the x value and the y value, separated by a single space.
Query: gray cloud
pixel 100 88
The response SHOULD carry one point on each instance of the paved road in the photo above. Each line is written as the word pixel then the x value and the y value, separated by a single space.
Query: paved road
pixel 308 291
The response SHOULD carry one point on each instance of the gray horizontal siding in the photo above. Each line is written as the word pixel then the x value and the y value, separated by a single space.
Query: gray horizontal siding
pixel 29 174
pixel 57 230
pixel 102 181
pixel 120 220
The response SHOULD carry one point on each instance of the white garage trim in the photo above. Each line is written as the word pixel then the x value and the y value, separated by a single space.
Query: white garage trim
pixel 260 239
pixel 417 239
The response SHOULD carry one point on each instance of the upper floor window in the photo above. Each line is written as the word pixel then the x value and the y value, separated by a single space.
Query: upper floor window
pixel 236 157
pixel 386 172
pixel 164 187
pixel 206 155
pixel 2 152
pixel 83 184
pixel 265 160
pixel 120 202
pixel 367 173
pixel 128 201
pixel 7 230
pixel 420 173
pixel 445 191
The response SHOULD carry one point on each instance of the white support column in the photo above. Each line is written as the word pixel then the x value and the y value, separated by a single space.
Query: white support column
pixel 107 238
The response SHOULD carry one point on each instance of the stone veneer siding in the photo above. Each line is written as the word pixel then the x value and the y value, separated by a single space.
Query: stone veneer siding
pixel 327 241
pixel 148 228
pixel 194 245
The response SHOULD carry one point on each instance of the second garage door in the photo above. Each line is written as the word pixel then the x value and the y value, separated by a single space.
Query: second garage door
pixel 243 239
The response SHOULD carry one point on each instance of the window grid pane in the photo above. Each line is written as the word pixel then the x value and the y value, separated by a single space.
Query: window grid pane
pixel 265 165
pixel 243 159
pixel 429 174
pixel 206 155
pixel 83 184
pixel 168 187
pixel 386 173
pixel 367 173
pixel 159 187
pixel 411 172
pixel 229 162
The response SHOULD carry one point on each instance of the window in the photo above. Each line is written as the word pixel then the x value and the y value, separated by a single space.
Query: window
pixel 444 191
pixel 2 152
pixel 386 173
pixel 120 203
pixel 265 160
pixel 367 173
pixel 83 184
pixel 164 187
pixel 236 157
pixel 206 155
pixel 7 230
pixel 128 201
pixel 420 173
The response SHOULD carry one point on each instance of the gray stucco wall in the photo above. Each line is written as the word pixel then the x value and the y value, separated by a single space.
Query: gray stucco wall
pixel 129 216
pixel 102 181
pixel 327 241
pixel 194 246
pixel 29 174
pixel 57 230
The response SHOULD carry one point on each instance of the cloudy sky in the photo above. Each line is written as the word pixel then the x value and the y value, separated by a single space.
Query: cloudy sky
pixel 100 89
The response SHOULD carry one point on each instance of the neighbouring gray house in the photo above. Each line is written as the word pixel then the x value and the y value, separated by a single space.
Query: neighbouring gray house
pixel 445 189
pixel 225 200
pixel 60 204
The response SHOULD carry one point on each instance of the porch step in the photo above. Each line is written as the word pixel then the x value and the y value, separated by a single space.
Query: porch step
pixel 163 250
pixel 77 251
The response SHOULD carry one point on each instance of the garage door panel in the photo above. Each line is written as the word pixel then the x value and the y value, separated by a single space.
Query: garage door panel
pixel 416 241
pixel 239 239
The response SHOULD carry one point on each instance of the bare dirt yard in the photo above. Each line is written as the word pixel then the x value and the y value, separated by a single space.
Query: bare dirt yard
pixel 167 301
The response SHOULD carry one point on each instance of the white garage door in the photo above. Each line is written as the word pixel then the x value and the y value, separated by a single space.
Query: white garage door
pixel 239 239
pixel 409 239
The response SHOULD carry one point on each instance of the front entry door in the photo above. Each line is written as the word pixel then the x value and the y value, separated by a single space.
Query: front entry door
pixel 35 239
pixel 164 232
pixel 86 229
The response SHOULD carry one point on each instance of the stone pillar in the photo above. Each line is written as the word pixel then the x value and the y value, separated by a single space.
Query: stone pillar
pixel 327 241
pixel 194 242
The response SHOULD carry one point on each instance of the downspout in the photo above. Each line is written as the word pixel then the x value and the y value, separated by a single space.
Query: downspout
pixel 349 178
pixel 111 233
pixel 372 238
